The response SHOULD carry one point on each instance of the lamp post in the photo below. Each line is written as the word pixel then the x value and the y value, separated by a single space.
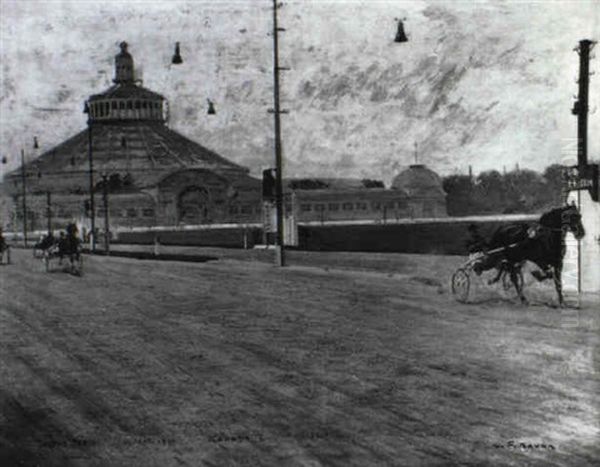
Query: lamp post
pixel 106 223
pixel 49 211
pixel 24 196
pixel 280 251
pixel 87 110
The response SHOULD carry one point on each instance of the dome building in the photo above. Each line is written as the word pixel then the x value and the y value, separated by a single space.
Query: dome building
pixel 424 189
pixel 153 175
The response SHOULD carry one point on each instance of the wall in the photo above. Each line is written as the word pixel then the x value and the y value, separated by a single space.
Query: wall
pixel 427 237
pixel 590 247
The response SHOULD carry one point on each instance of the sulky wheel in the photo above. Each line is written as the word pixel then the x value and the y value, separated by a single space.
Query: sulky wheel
pixel 461 284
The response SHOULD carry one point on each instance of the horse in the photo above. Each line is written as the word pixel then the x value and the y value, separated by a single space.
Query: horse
pixel 4 249
pixel 46 243
pixel 69 246
pixel 542 244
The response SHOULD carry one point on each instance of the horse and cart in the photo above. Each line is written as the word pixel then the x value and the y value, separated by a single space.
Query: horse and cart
pixel 4 250
pixel 511 246
pixel 66 246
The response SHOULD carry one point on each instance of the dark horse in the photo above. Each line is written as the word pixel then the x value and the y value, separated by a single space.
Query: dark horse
pixel 543 244
pixel 47 242
pixel 69 245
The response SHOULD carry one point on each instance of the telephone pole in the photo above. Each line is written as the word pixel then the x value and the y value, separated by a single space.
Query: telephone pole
pixel 91 176
pixel 24 196
pixel 49 211
pixel 581 108
pixel 106 224
pixel 280 249
pixel 581 105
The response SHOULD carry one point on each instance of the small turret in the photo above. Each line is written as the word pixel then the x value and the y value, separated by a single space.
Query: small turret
pixel 123 66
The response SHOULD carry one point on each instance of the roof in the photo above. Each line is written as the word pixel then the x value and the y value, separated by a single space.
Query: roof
pixel 127 91
pixel 148 150
pixel 418 180
pixel 317 183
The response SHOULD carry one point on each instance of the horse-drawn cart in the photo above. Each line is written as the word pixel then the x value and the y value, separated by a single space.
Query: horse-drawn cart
pixel 476 264
pixel 53 253
pixel 512 245
pixel 66 247
pixel 5 254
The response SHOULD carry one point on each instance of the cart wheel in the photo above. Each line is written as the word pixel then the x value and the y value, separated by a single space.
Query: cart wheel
pixel 460 285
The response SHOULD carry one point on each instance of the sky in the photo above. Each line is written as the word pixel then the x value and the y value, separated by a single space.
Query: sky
pixel 482 84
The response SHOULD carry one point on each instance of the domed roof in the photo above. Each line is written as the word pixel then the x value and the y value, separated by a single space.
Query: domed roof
pixel 418 180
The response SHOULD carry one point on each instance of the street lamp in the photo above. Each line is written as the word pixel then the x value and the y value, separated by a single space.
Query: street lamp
pixel 86 109
pixel 177 60
pixel 106 223
pixel 400 34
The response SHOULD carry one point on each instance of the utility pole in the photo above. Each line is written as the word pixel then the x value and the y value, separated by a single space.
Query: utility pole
pixel 24 196
pixel 106 225
pixel 580 108
pixel 49 211
pixel 280 251
pixel 581 105
pixel 91 174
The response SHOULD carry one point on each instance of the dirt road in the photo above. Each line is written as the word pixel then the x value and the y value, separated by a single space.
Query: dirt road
pixel 233 362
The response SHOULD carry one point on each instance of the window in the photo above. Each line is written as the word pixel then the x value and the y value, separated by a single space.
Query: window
pixel 305 207
pixel 137 104
pixel 361 206
pixel 114 105
pixel 390 205
pixel 131 212
pixel 129 105
pixel 233 209
pixel 121 105
pixel 148 212
pixel 319 207
pixel 144 105
pixel 246 209
pixel 333 206
pixel 347 206
pixel 402 204
pixel 376 206
pixel 115 212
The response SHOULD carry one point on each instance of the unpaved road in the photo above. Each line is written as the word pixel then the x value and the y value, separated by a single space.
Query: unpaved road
pixel 236 362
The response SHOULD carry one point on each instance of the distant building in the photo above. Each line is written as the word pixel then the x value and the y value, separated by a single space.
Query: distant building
pixel 416 192
pixel 155 176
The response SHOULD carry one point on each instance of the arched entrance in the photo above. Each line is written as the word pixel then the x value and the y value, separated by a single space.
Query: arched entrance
pixel 193 205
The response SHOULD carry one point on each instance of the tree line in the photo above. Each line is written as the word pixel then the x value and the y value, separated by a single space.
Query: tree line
pixel 492 192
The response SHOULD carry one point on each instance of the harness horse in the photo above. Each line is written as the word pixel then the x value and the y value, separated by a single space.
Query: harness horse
pixel 4 250
pixel 67 246
pixel 511 246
